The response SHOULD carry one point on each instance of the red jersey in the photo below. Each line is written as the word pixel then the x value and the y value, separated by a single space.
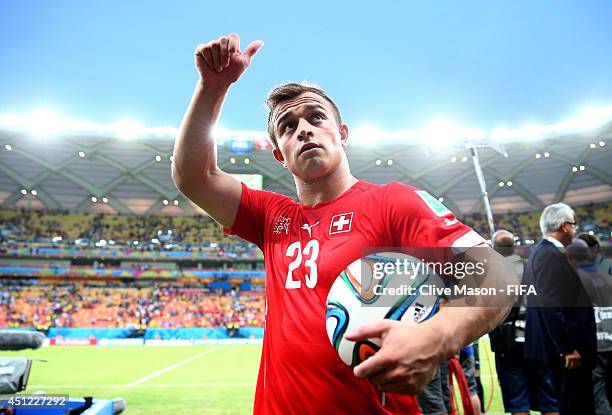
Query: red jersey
pixel 305 249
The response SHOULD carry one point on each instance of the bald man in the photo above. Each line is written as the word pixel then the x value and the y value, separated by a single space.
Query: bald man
pixel 526 385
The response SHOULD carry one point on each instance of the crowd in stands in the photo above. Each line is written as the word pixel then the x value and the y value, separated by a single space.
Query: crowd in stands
pixel 593 218
pixel 202 234
pixel 143 233
pixel 76 305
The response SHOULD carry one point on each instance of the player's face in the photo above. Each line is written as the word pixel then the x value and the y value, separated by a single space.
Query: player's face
pixel 310 142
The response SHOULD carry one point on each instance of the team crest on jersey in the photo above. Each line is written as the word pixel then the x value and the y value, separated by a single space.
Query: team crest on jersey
pixel 341 223
pixel 282 224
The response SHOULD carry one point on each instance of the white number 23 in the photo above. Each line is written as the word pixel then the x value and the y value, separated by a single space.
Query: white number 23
pixel 312 251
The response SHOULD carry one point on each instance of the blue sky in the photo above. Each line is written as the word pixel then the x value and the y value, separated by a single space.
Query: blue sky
pixel 390 64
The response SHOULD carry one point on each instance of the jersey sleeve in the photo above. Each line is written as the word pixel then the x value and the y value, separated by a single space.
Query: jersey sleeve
pixel 417 219
pixel 255 206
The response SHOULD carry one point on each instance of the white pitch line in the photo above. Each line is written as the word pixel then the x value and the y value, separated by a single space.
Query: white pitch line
pixel 169 368
pixel 151 385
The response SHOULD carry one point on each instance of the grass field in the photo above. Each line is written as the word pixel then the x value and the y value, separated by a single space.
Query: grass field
pixel 215 380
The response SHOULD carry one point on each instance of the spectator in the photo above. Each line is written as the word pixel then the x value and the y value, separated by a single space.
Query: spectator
pixel 560 326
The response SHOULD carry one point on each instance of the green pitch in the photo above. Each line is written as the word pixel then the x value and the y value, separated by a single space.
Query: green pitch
pixel 215 380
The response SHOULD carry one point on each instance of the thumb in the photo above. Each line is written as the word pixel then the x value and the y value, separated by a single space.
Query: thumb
pixel 253 48
pixel 376 329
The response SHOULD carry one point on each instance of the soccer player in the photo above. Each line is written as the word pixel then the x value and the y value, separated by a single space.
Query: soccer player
pixel 307 243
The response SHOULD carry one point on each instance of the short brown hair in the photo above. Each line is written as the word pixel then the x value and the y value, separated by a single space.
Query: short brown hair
pixel 289 91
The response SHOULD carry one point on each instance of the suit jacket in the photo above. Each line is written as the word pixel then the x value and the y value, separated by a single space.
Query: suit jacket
pixel 559 319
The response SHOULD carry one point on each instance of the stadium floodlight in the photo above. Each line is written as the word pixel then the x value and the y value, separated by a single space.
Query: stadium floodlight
pixel 440 133
pixel 128 129
pixel 509 183
pixel 45 122
pixel 82 154
pixel 501 184
pixel 389 162
pixel 233 160
pixel 34 192
pixel 546 154
pixel 588 119
pixel 440 199
pixel 378 162
pixel 8 147
pixel 24 192
pixel 171 159
pixel 538 155
pixel 247 160
pixel 105 200
pixel 574 169
pixel 593 145
pixel 158 158
pixel 165 202
pixel 602 143
pixel 582 168
pixel 94 199
pixel 453 159
pixel 176 202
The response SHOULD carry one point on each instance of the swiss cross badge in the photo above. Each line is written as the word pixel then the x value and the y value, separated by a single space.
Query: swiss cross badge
pixel 341 223
pixel 282 224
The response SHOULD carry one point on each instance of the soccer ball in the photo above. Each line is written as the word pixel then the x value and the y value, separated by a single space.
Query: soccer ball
pixel 373 288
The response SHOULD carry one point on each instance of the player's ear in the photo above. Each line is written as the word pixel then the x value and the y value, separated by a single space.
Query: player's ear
pixel 279 157
pixel 344 134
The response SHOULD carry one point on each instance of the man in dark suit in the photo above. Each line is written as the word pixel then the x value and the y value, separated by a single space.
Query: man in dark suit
pixel 560 324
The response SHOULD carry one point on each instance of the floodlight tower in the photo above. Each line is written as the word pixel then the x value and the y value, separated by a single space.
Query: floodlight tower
pixel 472 147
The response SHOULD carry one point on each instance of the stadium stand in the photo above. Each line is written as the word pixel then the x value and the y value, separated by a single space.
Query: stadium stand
pixel 202 234
pixel 78 305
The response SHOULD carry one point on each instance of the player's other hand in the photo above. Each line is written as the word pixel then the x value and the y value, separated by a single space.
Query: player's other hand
pixel 407 360
pixel 221 62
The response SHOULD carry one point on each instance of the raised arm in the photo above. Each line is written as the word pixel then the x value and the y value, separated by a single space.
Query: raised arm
pixel 194 169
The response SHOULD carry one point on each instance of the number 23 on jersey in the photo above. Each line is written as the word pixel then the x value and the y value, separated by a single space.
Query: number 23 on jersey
pixel 309 256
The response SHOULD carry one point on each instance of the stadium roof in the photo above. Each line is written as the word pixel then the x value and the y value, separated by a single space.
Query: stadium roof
pixel 125 168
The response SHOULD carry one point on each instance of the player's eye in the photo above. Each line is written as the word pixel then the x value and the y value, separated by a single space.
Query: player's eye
pixel 287 127
pixel 317 116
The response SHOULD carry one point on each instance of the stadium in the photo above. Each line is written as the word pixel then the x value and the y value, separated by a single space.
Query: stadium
pixel 141 295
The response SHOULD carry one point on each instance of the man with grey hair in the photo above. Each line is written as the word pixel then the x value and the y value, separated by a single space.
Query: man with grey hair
pixel 560 325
